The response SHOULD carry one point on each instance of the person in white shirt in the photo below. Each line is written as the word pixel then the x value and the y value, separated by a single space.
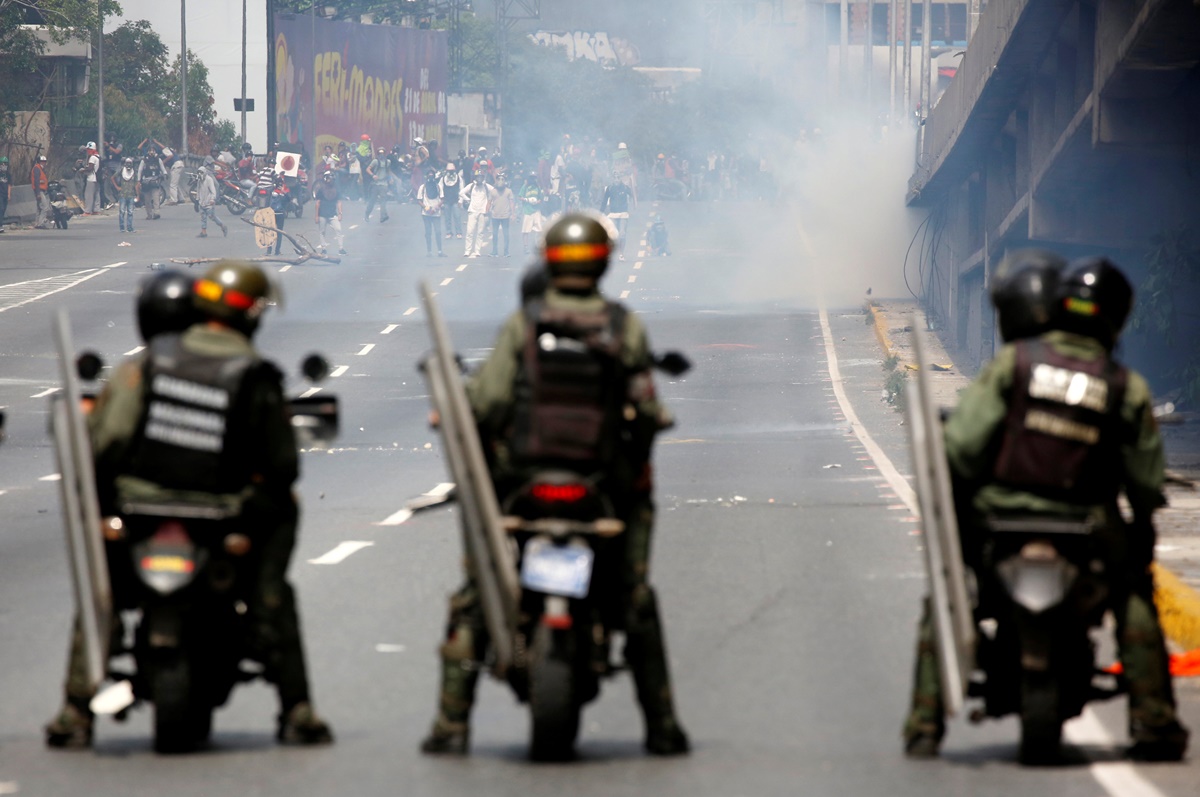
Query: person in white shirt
pixel 90 192
pixel 477 197
pixel 430 198
pixel 503 208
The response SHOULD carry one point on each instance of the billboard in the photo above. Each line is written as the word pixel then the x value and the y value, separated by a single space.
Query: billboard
pixel 335 81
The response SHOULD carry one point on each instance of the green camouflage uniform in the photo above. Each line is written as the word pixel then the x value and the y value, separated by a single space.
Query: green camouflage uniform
pixel 114 425
pixel 491 393
pixel 970 435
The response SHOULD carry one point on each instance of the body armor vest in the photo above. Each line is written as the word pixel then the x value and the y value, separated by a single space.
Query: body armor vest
pixel 190 429
pixel 1062 434
pixel 151 172
pixel 570 386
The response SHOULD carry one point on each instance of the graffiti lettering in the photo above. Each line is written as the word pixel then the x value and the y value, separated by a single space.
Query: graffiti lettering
pixel 369 103
pixel 595 47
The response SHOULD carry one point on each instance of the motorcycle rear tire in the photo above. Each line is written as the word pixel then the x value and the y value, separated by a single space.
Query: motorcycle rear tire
pixel 235 207
pixel 553 707
pixel 1041 719
pixel 180 725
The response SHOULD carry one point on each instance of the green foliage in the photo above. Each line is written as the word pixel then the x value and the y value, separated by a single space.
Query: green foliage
pixel 894 386
pixel 21 82
pixel 890 362
pixel 393 12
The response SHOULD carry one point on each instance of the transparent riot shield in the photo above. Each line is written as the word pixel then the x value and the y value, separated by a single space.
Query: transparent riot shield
pixel 81 509
pixel 949 600
pixel 490 557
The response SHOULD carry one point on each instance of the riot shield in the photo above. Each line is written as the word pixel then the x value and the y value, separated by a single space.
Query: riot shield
pixel 489 555
pixel 81 509
pixel 266 235
pixel 950 606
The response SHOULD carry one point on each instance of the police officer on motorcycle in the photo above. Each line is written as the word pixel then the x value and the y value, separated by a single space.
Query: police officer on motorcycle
pixel 1018 445
pixel 252 466
pixel 517 401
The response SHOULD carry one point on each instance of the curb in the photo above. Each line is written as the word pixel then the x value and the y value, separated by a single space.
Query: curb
pixel 1178 604
pixel 880 323
pixel 1178 608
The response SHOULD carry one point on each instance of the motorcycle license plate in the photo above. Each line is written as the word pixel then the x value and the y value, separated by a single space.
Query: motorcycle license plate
pixel 556 570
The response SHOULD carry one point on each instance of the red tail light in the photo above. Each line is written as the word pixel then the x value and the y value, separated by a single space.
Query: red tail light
pixel 559 493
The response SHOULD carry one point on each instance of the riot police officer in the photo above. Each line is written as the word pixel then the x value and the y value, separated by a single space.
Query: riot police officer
pixel 151 172
pixel 1015 447
pixel 252 465
pixel 510 399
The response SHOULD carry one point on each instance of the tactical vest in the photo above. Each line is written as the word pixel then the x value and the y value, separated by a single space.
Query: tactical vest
pixel 151 172
pixel 191 434
pixel 1062 434
pixel 570 387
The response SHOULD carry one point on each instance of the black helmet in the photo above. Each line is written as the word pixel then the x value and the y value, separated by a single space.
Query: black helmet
pixel 534 282
pixel 164 304
pixel 235 293
pixel 576 249
pixel 1025 292
pixel 246 147
pixel 1094 299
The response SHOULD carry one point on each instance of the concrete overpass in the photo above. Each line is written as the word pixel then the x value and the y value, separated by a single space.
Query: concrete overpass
pixel 1073 124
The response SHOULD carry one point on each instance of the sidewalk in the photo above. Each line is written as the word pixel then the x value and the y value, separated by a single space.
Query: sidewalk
pixel 1178 524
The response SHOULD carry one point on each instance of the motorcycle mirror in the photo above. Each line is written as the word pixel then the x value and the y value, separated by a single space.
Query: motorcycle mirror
pixel 88 365
pixel 673 363
pixel 315 368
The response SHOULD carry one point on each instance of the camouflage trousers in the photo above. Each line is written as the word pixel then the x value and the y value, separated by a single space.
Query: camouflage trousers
pixel 466 641
pixel 1141 647
pixel 276 626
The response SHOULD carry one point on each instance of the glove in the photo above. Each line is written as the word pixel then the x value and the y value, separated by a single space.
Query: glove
pixel 196 205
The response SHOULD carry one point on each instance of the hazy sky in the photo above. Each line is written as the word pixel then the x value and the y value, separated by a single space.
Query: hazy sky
pixel 214 33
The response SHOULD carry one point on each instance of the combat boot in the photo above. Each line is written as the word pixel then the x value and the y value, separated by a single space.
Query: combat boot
pixel 302 726
pixel 666 737
pixel 72 728
pixel 1165 742
pixel 447 738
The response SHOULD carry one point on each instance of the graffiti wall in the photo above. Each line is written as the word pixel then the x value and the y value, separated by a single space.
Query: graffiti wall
pixel 598 47
pixel 335 81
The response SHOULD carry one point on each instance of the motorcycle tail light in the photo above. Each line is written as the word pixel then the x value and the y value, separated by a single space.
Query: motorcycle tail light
pixel 559 493
pixel 113 528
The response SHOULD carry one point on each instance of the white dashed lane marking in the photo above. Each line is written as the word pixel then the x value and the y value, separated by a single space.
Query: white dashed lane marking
pixel 53 477
pixel 339 554
pixel 46 392
pixel 463 267
pixel 624 294
pixel 341 369
pixel 366 349
pixel 388 329
pixel 410 311
pixel 633 278
pixel 397 518
pixel 135 350
pixel 288 267
pixel 312 391
pixel 447 281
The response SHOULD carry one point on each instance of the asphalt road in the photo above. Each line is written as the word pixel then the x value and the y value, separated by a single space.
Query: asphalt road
pixel 788 568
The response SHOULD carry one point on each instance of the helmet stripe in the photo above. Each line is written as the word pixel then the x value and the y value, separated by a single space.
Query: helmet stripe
pixel 576 253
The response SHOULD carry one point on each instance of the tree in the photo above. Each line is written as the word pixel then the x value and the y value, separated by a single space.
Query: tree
pixel 391 12
pixel 22 87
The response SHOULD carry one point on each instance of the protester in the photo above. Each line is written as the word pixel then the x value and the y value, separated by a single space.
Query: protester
pixel 40 182
pixel 124 184
pixel 451 188
pixel 501 211
pixel 477 197
pixel 91 198
pixel 329 211
pixel 530 197
pixel 615 205
pixel 5 189
pixel 206 199
pixel 432 202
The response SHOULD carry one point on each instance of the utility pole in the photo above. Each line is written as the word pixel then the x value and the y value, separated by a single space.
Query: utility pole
pixel 907 92
pixel 926 53
pixel 893 7
pixel 972 18
pixel 100 79
pixel 843 46
pixel 244 71
pixel 183 71
pixel 869 53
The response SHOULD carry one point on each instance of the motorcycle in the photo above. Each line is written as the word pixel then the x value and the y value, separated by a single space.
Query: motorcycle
pixel 60 211
pixel 188 572
pixel 570 550
pixel 236 196
pixel 1044 590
